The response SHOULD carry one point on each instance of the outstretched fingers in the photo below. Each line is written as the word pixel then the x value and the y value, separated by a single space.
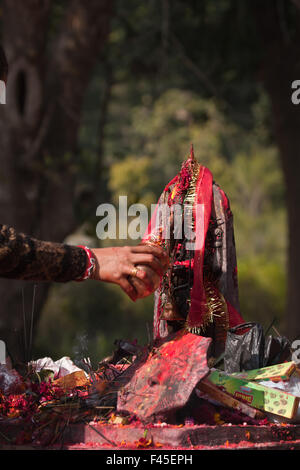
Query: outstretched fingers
pixel 156 251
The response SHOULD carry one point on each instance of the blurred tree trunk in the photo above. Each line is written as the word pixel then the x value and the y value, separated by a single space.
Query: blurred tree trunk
pixel 279 68
pixel 49 69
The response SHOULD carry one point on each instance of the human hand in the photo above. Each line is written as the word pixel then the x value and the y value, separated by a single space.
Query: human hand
pixel 117 264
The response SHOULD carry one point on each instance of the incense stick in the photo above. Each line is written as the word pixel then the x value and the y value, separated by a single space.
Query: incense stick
pixel 31 322
pixel 24 324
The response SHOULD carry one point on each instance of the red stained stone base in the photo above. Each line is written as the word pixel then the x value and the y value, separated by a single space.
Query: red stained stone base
pixel 99 437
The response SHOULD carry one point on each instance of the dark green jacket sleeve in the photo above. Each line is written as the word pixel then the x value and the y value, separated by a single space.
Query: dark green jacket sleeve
pixel 23 257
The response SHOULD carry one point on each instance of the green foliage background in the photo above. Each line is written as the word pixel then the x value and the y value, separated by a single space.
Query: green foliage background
pixel 155 111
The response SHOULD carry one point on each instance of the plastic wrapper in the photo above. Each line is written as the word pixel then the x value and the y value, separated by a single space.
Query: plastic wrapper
pixel 62 367
pixel 277 350
pixel 247 348
pixel 244 348
pixel 291 386
pixel 10 381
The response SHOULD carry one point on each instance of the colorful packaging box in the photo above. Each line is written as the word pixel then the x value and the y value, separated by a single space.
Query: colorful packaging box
pixel 267 399
pixel 275 373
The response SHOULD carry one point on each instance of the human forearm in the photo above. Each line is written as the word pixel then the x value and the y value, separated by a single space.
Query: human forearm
pixel 24 257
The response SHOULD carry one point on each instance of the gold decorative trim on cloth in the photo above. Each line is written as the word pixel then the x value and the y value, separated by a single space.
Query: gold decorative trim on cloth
pixel 216 313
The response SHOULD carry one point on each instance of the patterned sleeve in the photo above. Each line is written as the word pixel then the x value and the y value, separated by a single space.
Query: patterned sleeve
pixel 23 257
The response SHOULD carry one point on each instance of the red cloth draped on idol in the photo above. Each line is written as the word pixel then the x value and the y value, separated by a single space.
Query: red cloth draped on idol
pixel 199 291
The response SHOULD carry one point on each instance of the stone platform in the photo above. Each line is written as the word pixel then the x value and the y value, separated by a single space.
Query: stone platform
pixel 99 436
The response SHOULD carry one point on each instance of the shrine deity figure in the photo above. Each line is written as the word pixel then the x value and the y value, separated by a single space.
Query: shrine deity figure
pixel 199 291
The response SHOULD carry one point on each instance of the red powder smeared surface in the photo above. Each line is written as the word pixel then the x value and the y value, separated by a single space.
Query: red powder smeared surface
pixel 166 378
